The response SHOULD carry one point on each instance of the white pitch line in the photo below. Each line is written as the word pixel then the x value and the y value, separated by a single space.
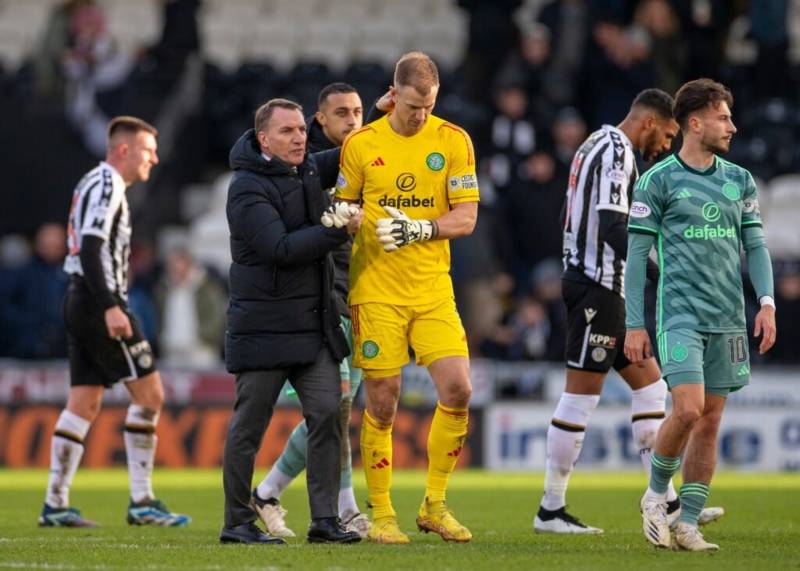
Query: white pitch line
pixel 69 566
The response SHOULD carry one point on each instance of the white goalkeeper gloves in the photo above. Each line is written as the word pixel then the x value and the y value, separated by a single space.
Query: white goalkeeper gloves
pixel 338 214
pixel 400 230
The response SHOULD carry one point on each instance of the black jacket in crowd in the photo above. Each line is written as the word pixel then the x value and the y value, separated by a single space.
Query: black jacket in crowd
pixel 282 305
pixel 318 141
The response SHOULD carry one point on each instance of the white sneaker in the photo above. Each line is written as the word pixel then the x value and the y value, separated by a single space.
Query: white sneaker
pixel 654 521
pixel 357 522
pixel 689 538
pixel 708 515
pixel 272 514
pixel 559 521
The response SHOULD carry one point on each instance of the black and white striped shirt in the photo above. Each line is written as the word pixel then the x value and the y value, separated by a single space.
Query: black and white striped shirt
pixel 602 177
pixel 100 208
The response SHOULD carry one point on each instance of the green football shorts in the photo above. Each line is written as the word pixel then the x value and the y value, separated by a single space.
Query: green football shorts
pixel 346 368
pixel 720 361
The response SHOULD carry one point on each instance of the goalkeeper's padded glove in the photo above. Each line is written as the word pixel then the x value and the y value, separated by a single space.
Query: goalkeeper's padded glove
pixel 400 230
pixel 338 214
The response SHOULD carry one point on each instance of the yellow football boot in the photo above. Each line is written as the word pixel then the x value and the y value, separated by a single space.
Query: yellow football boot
pixel 386 530
pixel 437 517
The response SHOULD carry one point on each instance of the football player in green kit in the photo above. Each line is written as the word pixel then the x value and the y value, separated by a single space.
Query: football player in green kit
pixel 698 210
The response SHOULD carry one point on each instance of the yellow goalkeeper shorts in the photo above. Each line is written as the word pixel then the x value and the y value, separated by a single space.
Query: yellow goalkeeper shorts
pixel 383 332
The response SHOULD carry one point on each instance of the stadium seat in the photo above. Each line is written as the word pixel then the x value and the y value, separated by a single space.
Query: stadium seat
pixel 444 39
pixel 257 82
pixel 21 25
pixel 351 13
pixel 370 78
pixel 793 28
pixel 219 39
pixel 410 11
pixel 383 42
pixel 305 81
pixel 273 40
pixel 327 42
pixel 134 24
pixel 297 10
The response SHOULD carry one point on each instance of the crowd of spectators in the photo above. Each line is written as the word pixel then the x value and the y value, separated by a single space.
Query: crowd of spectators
pixel 533 85
pixel 180 303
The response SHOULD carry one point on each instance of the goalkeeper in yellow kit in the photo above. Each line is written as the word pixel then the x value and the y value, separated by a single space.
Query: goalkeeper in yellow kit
pixel 414 175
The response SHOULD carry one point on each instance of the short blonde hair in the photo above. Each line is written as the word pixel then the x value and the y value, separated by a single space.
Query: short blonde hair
pixel 416 69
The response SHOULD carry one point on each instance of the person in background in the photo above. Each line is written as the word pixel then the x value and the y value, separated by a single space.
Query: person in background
pixel 33 311
pixel 191 307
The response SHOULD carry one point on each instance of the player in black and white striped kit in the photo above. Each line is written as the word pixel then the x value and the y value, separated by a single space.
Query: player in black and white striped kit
pixel 106 344
pixel 601 182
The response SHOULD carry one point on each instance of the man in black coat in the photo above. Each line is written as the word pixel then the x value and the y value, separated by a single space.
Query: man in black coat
pixel 282 318
pixel 339 113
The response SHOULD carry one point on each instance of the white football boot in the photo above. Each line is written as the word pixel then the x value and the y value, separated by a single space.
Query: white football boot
pixel 689 538
pixel 708 515
pixel 358 522
pixel 654 521
pixel 272 514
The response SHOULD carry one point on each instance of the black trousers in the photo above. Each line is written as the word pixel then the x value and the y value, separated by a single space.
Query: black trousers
pixel 319 388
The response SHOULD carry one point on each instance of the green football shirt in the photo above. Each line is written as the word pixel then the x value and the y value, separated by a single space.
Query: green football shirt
pixel 697 218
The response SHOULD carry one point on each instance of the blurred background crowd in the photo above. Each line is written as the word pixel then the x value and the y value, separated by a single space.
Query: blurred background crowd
pixel 529 79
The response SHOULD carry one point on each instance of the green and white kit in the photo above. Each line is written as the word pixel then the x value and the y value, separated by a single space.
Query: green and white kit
pixel 698 222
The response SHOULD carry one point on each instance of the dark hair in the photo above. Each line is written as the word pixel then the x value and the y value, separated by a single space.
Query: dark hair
pixel 264 113
pixel 696 95
pixel 657 100
pixel 129 124
pixel 417 70
pixel 331 88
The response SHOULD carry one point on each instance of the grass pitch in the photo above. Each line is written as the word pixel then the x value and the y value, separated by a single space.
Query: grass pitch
pixel 760 531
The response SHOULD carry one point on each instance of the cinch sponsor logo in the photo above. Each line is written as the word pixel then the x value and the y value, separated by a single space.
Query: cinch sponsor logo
pixel 640 210
pixel 405 201
pixel 709 232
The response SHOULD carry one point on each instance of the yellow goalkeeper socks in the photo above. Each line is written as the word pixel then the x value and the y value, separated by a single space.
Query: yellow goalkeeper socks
pixel 376 454
pixel 445 440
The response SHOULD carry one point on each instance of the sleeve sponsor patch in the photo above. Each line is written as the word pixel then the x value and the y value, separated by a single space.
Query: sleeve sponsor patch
pixel 463 182
pixel 616 175
pixel 98 212
pixel 750 205
pixel 640 210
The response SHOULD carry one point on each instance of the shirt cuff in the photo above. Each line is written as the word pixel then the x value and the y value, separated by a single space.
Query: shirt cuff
pixel 766 300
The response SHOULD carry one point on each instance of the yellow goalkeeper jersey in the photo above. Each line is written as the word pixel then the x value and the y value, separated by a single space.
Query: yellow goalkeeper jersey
pixel 422 175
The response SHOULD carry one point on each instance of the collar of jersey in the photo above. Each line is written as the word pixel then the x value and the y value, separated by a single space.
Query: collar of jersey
pixel 621 133
pixel 113 170
pixel 388 127
pixel 709 171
